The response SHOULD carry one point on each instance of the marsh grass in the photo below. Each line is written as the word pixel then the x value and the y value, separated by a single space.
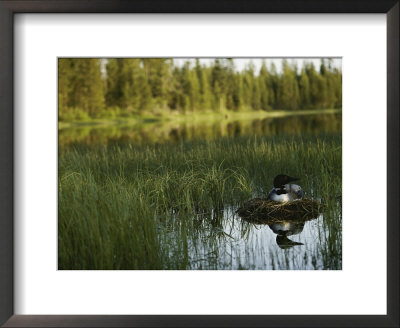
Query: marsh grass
pixel 162 206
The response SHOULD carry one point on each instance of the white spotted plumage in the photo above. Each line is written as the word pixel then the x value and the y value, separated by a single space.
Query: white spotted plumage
pixel 287 193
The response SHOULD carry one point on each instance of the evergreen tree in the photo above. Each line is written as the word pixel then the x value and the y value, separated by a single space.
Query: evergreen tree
pixel 158 71
pixel 144 89
pixel 65 75
pixel 187 88
pixel 316 86
pixel 288 96
pixel 174 89
pixel 256 96
pixel 264 86
pixel 230 84
pixel 273 83
pixel 87 86
pixel 113 82
pixel 337 88
pixel 219 84
pixel 130 84
pixel 304 88
pixel 237 98
pixel 247 86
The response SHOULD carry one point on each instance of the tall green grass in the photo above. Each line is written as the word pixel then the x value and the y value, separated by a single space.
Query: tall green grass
pixel 155 206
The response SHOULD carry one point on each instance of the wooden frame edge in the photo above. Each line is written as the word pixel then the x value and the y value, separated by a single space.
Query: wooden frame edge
pixel 9 8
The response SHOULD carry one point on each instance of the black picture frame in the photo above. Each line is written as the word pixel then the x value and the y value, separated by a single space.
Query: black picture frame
pixel 7 11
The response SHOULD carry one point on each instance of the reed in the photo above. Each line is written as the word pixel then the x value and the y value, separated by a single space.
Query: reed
pixel 163 206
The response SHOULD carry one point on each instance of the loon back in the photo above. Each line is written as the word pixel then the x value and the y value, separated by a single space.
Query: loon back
pixel 287 228
pixel 287 193
pixel 296 191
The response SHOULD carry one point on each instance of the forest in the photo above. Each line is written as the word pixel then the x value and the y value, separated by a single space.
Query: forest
pixel 121 87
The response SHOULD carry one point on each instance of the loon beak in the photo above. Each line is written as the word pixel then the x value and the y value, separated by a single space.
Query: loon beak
pixel 290 179
pixel 284 242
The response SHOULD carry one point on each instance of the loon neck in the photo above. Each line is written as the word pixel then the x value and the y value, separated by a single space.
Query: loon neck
pixel 281 190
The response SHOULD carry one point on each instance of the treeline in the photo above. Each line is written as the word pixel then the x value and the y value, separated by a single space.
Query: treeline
pixel 122 86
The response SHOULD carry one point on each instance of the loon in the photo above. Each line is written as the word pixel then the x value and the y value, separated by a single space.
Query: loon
pixel 283 191
pixel 283 229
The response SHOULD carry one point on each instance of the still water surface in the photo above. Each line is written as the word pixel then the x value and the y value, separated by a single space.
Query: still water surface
pixel 170 132
pixel 227 242
pixel 244 245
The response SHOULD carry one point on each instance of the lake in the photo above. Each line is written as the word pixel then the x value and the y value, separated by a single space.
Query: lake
pixel 172 132
pixel 158 196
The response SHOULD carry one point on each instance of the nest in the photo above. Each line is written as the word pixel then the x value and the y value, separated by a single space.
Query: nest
pixel 263 210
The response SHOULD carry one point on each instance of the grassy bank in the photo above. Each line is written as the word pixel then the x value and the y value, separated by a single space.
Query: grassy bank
pixel 198 117
pixel 157 206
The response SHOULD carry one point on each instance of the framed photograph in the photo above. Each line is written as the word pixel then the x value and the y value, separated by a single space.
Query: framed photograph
pixel 217 164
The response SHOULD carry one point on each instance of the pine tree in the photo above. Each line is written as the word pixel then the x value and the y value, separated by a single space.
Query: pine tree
pixel 65 75
pixel 230 84
pixel 247 86
pixel 87 86
pixel 187 88
pixel 113 82
pixel 256 96
pixel 273 83
pixel 304 88
pixel 315 86
pixel 144 89
pixel 218 84
pixel 130 96
pixel 236 92
pixel 288 96
pixel 158 71
pixel 337 88
pixel 172 96
pixel 264 85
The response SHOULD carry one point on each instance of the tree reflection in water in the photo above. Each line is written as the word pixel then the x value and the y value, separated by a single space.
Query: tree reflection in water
pixel 150 133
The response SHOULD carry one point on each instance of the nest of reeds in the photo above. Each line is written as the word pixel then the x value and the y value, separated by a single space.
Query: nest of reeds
pixel 263 209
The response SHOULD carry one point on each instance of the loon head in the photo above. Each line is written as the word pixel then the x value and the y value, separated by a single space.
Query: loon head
pixel 282 179
pixel 285 243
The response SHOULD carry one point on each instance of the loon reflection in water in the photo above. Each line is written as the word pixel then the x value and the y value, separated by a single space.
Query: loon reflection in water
pixel 283 229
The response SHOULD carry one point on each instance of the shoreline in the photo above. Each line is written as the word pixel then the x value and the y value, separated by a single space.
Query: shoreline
pixel 193 118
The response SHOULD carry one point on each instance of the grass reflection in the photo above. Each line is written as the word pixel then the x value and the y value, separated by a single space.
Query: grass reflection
pixel 173 132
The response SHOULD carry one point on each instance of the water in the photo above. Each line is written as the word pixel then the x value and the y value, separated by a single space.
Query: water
pixel 232 243
pixel 170 132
